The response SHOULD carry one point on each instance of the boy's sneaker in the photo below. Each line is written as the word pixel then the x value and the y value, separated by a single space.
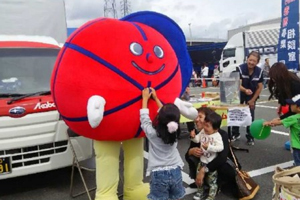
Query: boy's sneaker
pixel 250 142
pixel 198 196
pixel 235 137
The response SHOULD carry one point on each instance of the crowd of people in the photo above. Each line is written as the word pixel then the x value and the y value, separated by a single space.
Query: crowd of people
pixel 209 156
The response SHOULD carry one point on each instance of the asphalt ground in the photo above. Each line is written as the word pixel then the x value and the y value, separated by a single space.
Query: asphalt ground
pixel 260 162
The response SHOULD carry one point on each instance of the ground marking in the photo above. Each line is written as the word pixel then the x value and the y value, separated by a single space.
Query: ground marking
pixel 261 106
pixel 186 179
pixel 269 169
pixel 261 102
pixel 280 132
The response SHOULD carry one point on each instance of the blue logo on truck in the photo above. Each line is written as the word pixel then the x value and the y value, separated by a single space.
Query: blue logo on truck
pixel 17 111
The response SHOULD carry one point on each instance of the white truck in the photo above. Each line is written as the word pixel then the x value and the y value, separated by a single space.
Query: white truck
pixel 241 44
pixel 32 135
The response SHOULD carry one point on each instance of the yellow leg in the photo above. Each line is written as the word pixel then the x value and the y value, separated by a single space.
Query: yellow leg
pixel 107 169
pixel 134 188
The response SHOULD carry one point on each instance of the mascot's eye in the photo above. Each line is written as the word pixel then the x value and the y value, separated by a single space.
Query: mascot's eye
pixel 136 49
pixel 158 52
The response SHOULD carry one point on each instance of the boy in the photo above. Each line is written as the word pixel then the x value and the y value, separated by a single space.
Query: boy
pixel 211 144
pixel 292 122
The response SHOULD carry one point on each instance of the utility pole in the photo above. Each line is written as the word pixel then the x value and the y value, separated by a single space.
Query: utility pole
pixel 125 7
pixel 110 9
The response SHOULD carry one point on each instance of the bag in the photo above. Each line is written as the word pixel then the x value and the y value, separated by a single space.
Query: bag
pixel 286 184
pixel 247 187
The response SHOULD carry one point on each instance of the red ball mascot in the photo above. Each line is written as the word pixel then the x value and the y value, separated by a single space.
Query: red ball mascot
pixel 97 82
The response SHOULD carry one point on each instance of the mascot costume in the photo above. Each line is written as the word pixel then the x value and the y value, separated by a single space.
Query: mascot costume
pixel 97 82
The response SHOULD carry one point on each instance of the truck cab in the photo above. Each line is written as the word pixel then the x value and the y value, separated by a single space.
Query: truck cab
pixel 32 134
pixel 233 53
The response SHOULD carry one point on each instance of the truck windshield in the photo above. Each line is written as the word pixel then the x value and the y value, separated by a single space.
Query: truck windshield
pixel 227 53
pixel 24 71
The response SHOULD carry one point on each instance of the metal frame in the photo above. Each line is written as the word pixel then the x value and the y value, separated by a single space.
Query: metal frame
pixel 76 164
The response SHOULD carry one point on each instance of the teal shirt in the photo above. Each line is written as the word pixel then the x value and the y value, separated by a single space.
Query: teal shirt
pixel 293 122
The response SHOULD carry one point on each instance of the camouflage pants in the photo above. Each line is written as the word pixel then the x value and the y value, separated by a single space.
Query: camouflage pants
pixel 210 180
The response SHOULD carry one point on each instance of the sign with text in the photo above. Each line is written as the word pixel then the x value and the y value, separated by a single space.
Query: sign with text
pixel 288 42
pixel 239 116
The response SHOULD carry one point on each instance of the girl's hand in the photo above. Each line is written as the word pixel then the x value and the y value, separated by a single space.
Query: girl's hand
pixel 153 93
pixel 146 93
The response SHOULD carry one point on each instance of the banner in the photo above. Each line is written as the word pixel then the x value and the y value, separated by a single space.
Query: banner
pixel 288 42
pixel 239 116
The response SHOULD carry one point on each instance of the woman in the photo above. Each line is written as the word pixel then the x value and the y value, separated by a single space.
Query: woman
pixel 226 174
pixel 283 85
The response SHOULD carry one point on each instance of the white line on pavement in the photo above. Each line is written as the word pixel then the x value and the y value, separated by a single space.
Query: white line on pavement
pixel 279 132
pixel 261 106
pixel 253 173
pixel 261 102
pixel 266 170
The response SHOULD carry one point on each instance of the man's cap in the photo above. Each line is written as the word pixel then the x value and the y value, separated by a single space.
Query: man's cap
pixel 294 100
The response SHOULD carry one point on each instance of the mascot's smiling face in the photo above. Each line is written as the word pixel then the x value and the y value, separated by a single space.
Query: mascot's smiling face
pixel 114 59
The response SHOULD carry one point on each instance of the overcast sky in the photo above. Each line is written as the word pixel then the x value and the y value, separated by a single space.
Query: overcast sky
pixel 208 18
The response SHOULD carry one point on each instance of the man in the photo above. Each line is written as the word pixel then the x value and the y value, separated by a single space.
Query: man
pixel 251 80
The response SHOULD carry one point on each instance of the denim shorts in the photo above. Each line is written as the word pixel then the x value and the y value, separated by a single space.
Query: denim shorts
pixel 166 184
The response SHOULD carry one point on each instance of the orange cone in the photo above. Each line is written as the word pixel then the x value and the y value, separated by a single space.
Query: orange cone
pixel 203 83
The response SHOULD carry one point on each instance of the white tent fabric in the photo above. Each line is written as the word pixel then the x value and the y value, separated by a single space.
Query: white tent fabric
pixel 34 18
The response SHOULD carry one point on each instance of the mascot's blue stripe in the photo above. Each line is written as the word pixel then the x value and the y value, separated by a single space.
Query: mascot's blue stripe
pixel 84 27
pixel 108 112
pixel 138 132
pixel 103 62
pixel 141 31
pixel 62 54
pixel 168 79
pixel 78 119
pixel 124 105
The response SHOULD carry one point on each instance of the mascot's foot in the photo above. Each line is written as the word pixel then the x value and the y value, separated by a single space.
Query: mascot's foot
pixel 113 197
pixel 137 193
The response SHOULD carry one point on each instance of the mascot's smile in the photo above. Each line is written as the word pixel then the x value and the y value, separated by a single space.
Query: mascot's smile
pixel 147 72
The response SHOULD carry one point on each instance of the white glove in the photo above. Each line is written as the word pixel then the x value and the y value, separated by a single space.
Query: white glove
pixel 95 110
pixel 186 109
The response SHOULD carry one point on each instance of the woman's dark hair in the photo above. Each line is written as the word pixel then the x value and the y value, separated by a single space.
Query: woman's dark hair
pixel 205 110
pixel 169 112
pixel 255 54
pixel 280 81
pixel 214 119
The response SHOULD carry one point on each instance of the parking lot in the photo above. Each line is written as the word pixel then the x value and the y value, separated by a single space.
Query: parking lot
pixel 260 162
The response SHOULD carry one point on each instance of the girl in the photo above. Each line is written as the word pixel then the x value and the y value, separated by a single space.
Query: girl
pixel 164 163
pixel 283 85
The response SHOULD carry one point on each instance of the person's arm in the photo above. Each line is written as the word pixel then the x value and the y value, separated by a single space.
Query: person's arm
pixel 274 122
pixel 243 89
pixel 155 98
pixel 196 138
pixel 218 144
pixel 256 93
pixel 146 123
